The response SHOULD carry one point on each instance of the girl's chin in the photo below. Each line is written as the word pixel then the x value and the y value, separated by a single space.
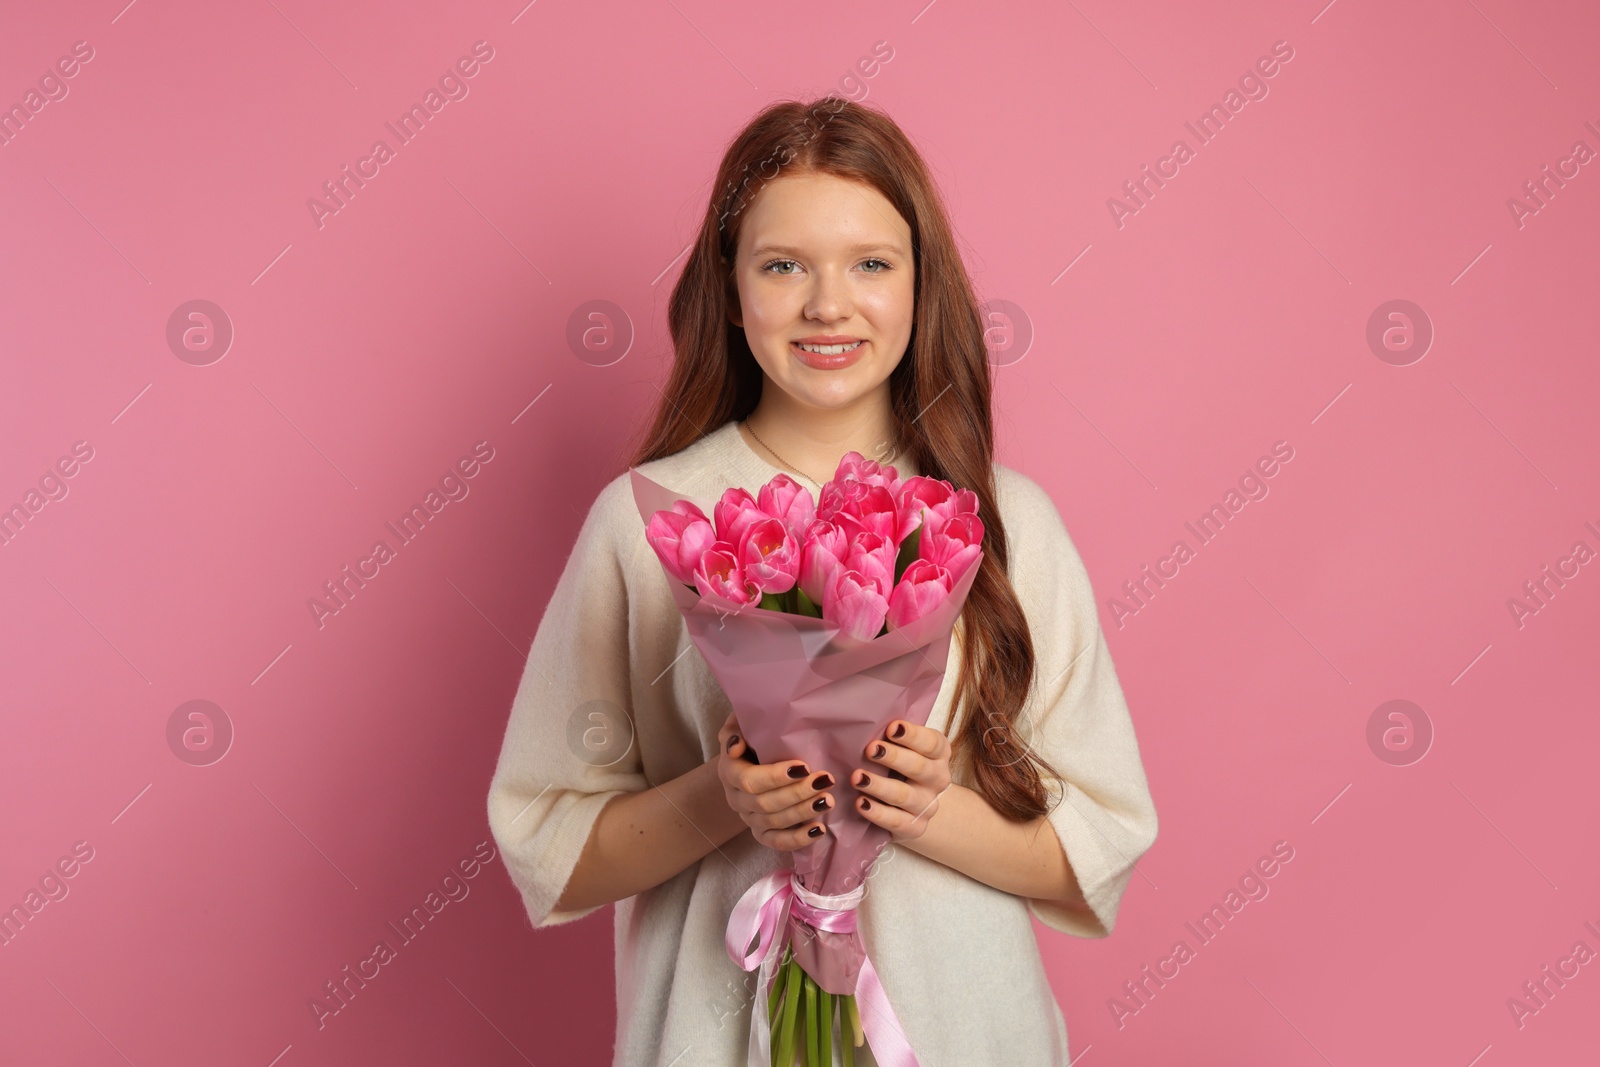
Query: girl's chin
pixel 835 399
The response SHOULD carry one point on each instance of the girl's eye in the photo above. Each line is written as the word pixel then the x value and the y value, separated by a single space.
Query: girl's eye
pixel 770 264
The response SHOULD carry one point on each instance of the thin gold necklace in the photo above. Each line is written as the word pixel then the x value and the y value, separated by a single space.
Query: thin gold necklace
pixel 797 470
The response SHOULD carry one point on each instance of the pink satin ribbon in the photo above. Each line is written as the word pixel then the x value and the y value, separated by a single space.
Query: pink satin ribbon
pixel 764 913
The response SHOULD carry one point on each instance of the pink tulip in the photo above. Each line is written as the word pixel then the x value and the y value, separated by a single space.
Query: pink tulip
pixel 769 555
pixel 822 552
pixel 955 546
pixel 786 499
pixel 680 537
pixel 933 497
pixel 855 602
pixel 915 495
pixel 861 508
pixel 736 510
pixel 855 477
pixel 721 580
pixel 854 467
pixel 879 548
pixel 922 588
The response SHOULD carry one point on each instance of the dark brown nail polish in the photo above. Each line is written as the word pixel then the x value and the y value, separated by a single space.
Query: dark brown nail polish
pixel 815 831
pixel 878 751
pixel 863 780
pixel 822 781
pixel 734 740
pixel 865 803
pixel 798 771
pixel 819 804
pixel 899 730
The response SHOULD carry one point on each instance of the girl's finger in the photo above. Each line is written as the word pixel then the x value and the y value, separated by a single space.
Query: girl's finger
pixel 923 740
pixel 896 820
pixel 792 838
pixel 801 812
pixel 913 765
pixel 886 790
pixel 874 811
pixel 765 777
pixel 804 791
pixel 734 744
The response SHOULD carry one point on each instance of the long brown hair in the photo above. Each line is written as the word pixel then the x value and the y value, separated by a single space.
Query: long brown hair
pixel 939 392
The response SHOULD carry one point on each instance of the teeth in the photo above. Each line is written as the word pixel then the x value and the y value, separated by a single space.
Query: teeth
pixel 830 350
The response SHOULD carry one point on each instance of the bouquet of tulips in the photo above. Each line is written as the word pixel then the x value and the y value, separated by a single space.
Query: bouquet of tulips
pixel 822 621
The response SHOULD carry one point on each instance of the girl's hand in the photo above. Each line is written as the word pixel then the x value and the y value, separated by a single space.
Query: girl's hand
pixel 777 801
pixel 904 800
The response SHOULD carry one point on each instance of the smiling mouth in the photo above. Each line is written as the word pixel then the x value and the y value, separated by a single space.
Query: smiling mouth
pixel 829 350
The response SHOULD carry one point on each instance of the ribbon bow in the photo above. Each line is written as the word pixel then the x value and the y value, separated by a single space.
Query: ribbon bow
pixel 765 913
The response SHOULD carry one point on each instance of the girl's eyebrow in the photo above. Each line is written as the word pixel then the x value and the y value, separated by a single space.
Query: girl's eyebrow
pixel 870 246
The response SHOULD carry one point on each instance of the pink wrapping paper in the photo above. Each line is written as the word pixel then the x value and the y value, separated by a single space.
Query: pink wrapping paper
pixel 799 690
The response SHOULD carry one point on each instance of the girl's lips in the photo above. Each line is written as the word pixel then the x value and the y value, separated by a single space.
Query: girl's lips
pixel 822 362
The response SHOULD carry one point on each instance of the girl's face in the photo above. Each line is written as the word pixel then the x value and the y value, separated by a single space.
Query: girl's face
pixel 823 263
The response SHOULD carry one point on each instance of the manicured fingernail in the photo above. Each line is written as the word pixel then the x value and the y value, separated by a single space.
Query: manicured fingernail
pixel 799 770
pixel 899 729
pixel 734 740
pixel 863 780
pixel 865 803
pixel 822 781
pixel 878 751
pixel 815 831
pixel 819 804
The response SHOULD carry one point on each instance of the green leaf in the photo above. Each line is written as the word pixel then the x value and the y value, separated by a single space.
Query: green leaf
pixel 847 1042
pixel 857 1035
pixel 791 1005
pixel 811 1022
pixel 909 548
pixel 806 1013
pixel 804 604
pixel 777 1022
pixel 777 984
pixel 825 1040
pixel 772 601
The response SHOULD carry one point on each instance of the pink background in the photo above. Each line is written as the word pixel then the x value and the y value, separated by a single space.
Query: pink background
pixel 431 312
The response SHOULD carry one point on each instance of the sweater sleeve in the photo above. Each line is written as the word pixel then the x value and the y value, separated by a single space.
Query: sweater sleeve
pixel 1078 721
pixel 569 746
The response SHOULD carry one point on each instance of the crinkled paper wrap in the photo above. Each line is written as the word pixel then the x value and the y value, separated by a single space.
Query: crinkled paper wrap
pixel 801 690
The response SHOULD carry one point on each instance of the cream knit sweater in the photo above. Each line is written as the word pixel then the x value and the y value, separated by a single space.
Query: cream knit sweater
pixel 614 698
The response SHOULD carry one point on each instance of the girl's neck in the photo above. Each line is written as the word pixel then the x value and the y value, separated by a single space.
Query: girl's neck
pixel 813 444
